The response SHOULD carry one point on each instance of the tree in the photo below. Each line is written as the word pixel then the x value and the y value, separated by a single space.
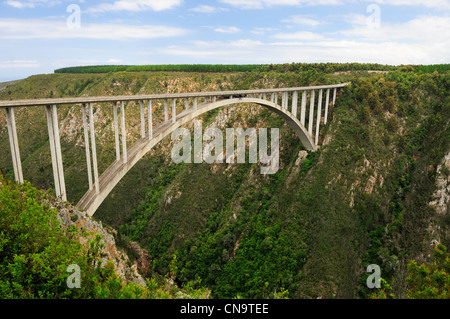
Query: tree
pixel 433 281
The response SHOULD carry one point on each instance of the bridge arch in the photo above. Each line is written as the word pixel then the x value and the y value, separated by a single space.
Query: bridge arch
pixel 114 174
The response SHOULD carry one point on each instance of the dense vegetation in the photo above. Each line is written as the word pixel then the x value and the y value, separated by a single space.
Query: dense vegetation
pixel 159 68
pixel 308 231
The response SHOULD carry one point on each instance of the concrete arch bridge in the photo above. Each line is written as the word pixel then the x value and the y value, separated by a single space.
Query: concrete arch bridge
pixel 289 103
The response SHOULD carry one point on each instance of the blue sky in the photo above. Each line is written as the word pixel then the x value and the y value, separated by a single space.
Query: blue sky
pixel 38 36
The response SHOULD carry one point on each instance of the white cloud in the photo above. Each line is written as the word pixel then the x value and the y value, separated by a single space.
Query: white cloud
pixel 302 20
pixel 300 35
pixel 207 9
pixel 135 5
pixel 46 29
pixel 31 3
pixel 440 4
pixel 262 31
pixel 13 64
pixel 227 30
pixel 422 29
pixel 261 4
pixel 245 43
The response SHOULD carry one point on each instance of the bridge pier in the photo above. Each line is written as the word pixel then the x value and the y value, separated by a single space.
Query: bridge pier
pixel 319 117
pixel 124 133
pixel 311 112
pixel 55 151
pixel 174 110
pixel 141 103
pixel 150 120
pixel 303 108
pixel 87 148
pixel 166 111
pixel 327 104
pixel 14 144
pixel 195 104
pixel 294 103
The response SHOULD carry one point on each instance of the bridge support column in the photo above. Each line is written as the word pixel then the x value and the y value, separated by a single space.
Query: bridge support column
pixel 311 112
pixel 141 103
pixel 55 151
pixel 87 148
pixel 284 100
pixel 150 120
pixel 303 108
pixel 116 131
pixel 187 103
pixel 276 98
pixel 319 116
pixel 124 136
pixel 334 96
pixel 93 148
pixel 174 110
pixel 195 103
pixel 14 144
pixel 166 111
pixel 294 103
pixel 327 104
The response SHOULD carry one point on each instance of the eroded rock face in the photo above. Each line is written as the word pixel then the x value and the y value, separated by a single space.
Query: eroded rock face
pixel 441 200
pixel 442 195
pixel 126 269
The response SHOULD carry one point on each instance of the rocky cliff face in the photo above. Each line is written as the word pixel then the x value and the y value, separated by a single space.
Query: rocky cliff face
pixel 127 269
pixel 441 200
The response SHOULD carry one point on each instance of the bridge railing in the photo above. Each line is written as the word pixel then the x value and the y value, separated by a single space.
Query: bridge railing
pixel 294 100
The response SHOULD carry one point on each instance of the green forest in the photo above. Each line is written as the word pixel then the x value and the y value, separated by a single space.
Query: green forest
pixel 224 230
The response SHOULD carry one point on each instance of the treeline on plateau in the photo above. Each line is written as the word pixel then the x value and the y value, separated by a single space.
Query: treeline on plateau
pixel 287 67
pixel 160 68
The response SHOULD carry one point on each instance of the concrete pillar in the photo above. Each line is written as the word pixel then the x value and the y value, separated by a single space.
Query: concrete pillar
pixel 303 108
pixel 319 116
pixel 214 99
pixel 59 154
pixel 334 96
pixel 195 103
pixel 166 111
pixel 276 98
pixel 55 151
pixel 284 100
pixel 51 137
pixel 327 103
pixel 116 131
pixel 174 110
pixel 311 112
pixel 150 120
pixel 86 145
pixel 94 149
pixel 124 134
pixel 294 103
pixel 142 119
pixel 14 145
pixel 265 96
pixel 272 98
pixel 187 103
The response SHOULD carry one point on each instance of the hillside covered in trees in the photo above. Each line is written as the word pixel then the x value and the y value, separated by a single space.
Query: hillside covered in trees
pixel 309 231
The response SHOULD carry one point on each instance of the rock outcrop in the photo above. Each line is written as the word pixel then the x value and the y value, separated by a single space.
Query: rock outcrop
pixel 126 269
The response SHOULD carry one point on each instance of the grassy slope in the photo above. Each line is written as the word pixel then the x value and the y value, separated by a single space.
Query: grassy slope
pixel 310 229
